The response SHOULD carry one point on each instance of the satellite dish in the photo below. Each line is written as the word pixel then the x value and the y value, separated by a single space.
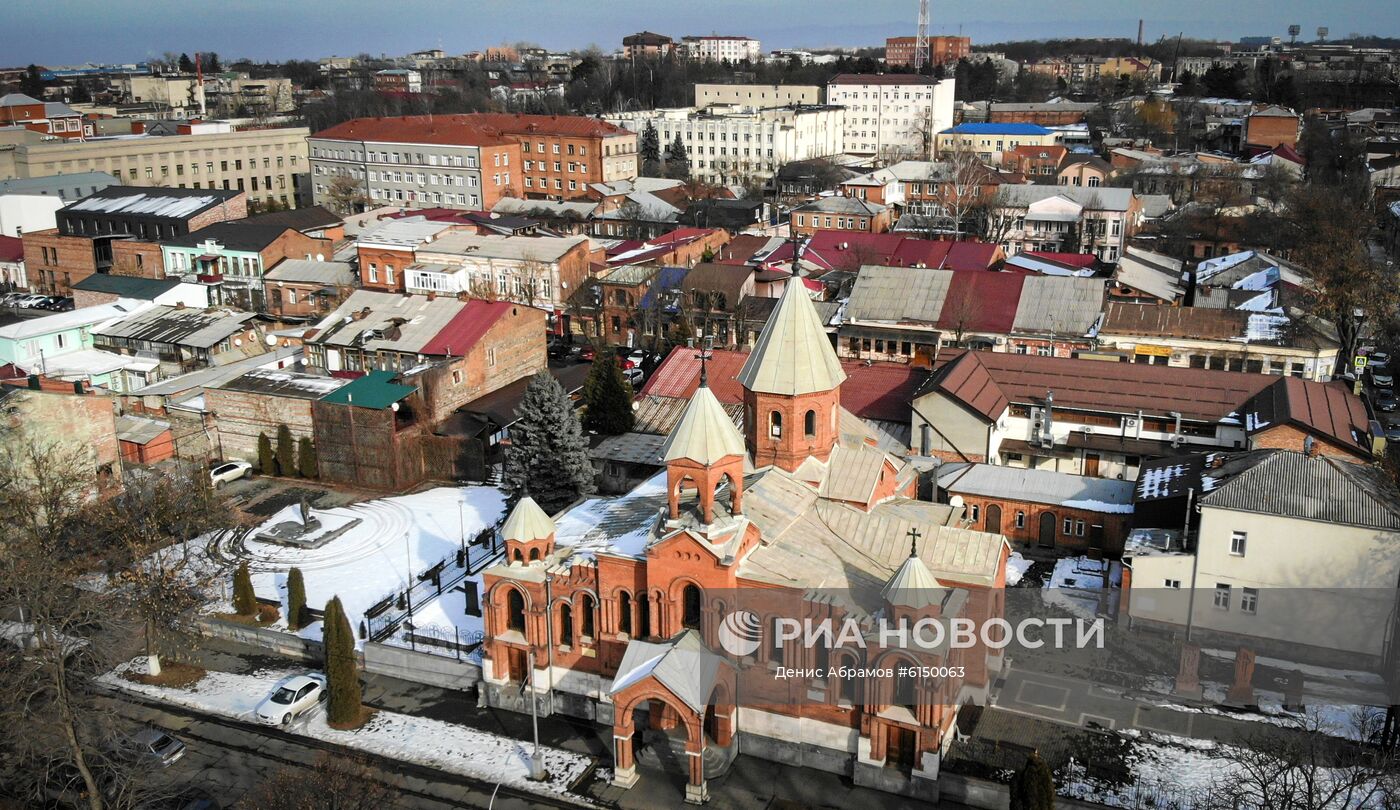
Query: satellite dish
pixel 956 501
pixel 394 407
pixel 272 340
pixel 238 341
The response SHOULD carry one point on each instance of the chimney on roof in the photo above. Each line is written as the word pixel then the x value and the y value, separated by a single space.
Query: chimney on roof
pixel 432 295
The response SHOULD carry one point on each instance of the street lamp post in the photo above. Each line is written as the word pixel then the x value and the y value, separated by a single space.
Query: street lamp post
pixel 408 587
pixel 462 525
pixel 536 759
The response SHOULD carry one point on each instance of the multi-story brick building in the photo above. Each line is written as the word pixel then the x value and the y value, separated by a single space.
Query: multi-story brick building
pixel 300 288
pixel 268 164
pixel 386 249
pixel 892 116
pixel 647 43
pixel 899 51
pixel 562 154
pixel 840 214
pixel 259 403
pixel 116 230
pixel 416 161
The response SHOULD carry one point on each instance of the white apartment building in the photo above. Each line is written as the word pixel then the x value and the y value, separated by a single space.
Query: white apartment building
pixel 757 95
pixel 892 117
pixel 722 49
pixel 729 144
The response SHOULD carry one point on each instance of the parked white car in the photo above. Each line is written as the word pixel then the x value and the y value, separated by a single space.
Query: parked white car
pixel 229 471
pixel 633 376
pixel 291 698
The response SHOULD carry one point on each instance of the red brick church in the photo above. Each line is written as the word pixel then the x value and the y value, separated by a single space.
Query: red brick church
pixel 619 601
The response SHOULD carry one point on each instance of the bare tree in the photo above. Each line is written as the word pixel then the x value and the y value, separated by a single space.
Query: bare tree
pixel 58 631
pixel 1304 766
pixel 961 180
pixel 332 783
pixel 345 195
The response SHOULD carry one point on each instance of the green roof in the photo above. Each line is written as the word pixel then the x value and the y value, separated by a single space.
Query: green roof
pixel 374 390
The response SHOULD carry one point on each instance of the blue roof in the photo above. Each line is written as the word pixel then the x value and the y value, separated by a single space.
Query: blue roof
pixel 999 129
pixel 669 278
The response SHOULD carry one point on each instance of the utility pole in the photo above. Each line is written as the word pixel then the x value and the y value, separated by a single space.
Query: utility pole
pixel 537 758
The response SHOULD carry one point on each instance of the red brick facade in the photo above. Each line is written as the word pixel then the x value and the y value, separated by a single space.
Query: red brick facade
pixel 1073 529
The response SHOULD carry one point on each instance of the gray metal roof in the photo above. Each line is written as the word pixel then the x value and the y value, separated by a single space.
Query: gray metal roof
pixel 67 187
pixel 1320 488
pixel 336 274
pixel 898 294
pixel 1102 198
pixel 375 320
pixel 218 375
pixel 684 665
pixel 139 430
pixel 282 383
pixel 630 448
pixel 1037 486
pixel 409 232
pixel 1063 305
pixel 183 326
pixel 517 248
pixel 841 205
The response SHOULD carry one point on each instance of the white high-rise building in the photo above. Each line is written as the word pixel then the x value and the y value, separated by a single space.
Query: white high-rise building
pixel 722 49
pixel 892 117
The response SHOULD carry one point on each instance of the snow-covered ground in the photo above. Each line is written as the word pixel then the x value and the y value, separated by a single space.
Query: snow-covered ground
pixel 1077 585
pixel 396 538
pixel 436 744
pixel 1016 568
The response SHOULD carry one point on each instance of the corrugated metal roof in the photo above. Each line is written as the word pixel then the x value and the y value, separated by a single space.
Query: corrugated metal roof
pixel 310 271
pixel 376 320
pixel 898 294
pixel 277 382
pixel 139 430
pixel 1063 305
pixel 1317 488
pixel 375 390
pixel 181 326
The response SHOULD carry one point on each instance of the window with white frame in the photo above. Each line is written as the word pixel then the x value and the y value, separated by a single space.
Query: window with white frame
pixel 1222 596
pixel 1237 543
pixel 1249 600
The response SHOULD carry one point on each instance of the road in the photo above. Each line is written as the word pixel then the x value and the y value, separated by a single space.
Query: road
pixel 229 758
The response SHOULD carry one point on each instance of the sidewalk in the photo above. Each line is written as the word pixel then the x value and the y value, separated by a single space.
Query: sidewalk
pixel 750 784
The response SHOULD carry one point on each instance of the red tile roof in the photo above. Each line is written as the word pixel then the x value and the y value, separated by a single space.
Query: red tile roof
pixel 11 249
pixel 881 391
pixel 1095 385
pixel 1327 410
pixel 448 130
pixel 466 327
pixel 843 250
pixel 565 125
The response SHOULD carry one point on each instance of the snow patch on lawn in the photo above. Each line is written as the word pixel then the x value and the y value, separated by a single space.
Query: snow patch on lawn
pixel 433 743
pixel 1016 568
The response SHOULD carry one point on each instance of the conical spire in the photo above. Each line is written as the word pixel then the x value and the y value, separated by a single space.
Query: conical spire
pixel 913 585
pixel 793 354
pixel 705 433
pixel 527 522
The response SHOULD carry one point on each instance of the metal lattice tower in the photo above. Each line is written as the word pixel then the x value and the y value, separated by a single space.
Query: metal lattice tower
pixel 921 56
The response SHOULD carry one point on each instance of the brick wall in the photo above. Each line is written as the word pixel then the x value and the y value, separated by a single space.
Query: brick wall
pixel 1115 526
pixel 142 259
pixel 295 245
pixel 1288 437
pixel 242 416
pixel 234 208
pixel 363 447
pixel 516 342
pixel 380 258
pixel 54 263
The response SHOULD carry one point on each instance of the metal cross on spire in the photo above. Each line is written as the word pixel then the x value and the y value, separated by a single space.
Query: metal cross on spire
pixel 913 542
pixel 706 354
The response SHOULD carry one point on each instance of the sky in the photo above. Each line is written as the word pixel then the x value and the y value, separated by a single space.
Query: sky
pixel 57 32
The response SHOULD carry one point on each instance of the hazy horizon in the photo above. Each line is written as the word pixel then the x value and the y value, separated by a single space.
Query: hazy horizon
pixel 74 31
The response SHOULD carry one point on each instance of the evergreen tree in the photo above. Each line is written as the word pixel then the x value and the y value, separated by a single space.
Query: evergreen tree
pixel 31 84
pixel 186 64
pixel 1033 787
pixel 677 160
pixel 210 63
pixel 266 464
pixel 286 452
pixel 296 600
pixel 245 602
pixel 307 464
pixel 342 675
pixel 607 398
pixel 651 152
pixel 548 455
